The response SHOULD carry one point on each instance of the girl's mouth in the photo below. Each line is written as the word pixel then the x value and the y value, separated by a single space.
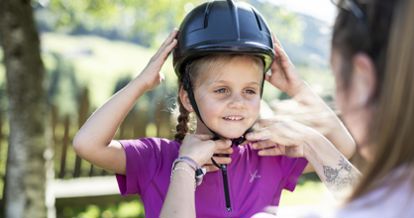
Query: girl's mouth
pixel 233 118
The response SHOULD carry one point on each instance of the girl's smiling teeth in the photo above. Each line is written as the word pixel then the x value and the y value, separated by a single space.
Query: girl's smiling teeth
pixel 233 118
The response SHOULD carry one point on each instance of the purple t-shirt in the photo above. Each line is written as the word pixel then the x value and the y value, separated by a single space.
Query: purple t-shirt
pixel 254 182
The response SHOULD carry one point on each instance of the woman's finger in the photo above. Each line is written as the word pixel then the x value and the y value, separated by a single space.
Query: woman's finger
pixel 262 123
pixel 263 145
pixel 259 135
pixel 275 151
pixel 203 137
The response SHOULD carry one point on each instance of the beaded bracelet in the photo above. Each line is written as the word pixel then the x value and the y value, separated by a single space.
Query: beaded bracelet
pixel 199 171
pixel 182 169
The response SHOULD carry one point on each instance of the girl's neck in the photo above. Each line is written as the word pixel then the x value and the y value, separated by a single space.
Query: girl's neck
pixel 202 129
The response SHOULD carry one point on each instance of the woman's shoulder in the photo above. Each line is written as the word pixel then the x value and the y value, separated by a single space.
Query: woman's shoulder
pixel 388 200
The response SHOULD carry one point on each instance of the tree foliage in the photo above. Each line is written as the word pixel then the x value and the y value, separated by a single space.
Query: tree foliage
pixel 142 21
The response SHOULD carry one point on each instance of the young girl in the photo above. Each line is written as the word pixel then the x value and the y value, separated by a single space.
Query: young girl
pixel 221 81
pixel 374 76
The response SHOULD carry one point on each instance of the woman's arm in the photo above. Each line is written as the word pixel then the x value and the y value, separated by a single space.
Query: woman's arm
pixel 332 167
pixel 322 118
pixel 93 141
pixel 293 139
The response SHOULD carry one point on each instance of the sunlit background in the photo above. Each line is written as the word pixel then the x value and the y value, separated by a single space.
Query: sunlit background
pixel 91 49
pixel 321 9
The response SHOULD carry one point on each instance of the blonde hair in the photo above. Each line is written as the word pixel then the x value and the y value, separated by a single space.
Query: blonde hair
pixel 195 69
pixel 394 119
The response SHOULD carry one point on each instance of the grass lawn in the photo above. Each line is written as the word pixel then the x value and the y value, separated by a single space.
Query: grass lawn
pixel 98 63
pixel 309 193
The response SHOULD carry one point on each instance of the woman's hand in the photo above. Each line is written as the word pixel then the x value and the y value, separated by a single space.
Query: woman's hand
pixel 283 72
pixel 151 73
pixel 201 148
pixel 321 116
pixel 281 137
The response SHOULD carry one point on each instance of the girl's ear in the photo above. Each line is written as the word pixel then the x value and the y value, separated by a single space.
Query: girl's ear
pixel 364 80
pixel 185 100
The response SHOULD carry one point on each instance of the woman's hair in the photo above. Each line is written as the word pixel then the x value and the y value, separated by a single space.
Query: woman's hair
pixel 194 69
pixel 389 41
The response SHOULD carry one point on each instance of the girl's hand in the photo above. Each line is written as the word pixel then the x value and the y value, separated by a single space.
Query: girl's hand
pixel 201 148
pixel 220 156
pixel 151 73
pixel 280 137
pixel 283 72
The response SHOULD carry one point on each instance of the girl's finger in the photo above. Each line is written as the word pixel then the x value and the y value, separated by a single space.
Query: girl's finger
pixel 170 37
pixel 245 143
pixel 223 144
pixel 224 151
pixel 275 40
pixel 220 160
pixel 211 168
pixel 166 51
pixel 170 47
pixel 167 45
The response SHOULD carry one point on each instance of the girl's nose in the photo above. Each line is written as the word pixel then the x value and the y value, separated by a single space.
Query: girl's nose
pixel 236 101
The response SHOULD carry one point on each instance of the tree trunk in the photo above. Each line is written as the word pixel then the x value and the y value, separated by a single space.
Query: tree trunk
pixel 28 141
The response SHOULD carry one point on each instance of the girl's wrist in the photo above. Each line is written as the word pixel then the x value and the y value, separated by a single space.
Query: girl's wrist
pixel 189 163
pixel 184 165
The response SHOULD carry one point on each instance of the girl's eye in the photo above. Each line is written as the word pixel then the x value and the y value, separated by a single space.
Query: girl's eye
pixel 250 91
pixel 221 90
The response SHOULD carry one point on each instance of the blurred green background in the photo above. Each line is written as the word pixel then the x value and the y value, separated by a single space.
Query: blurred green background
pixel 92 48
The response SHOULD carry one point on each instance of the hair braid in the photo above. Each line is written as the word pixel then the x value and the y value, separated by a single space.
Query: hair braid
pixel 182 125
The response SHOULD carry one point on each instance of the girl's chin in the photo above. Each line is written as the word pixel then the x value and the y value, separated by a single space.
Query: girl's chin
pixel 232 135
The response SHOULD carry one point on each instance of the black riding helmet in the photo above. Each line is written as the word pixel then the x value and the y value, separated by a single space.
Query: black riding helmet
pixel 221 27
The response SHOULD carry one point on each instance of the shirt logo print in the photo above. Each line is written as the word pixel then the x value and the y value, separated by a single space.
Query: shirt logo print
pixel 254 176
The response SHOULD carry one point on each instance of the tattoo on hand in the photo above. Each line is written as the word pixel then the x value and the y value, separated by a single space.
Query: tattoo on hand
pixel 342 176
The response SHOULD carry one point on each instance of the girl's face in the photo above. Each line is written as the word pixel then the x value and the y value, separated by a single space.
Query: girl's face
pixel 228 96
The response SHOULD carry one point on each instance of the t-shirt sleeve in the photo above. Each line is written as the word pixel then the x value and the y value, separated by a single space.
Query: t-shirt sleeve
pixel 142 162
pixel 292 168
